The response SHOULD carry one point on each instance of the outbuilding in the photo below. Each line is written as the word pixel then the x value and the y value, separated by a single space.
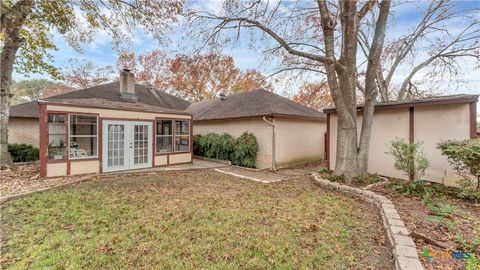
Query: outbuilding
pixel 427 121
pixel 287 132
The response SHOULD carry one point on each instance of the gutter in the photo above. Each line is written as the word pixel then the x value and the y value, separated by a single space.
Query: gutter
pixel 271 123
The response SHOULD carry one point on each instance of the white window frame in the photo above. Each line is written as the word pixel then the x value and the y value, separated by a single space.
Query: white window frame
pixel 81 136
pixel 161 136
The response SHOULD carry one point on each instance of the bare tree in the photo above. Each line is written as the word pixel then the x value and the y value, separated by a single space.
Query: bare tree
pixel 444 46
pixel 308 33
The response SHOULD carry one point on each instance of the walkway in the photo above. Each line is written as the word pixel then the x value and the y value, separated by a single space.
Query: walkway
pixel 265 176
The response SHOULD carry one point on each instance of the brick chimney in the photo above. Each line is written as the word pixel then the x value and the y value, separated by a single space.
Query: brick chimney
pixel 127 86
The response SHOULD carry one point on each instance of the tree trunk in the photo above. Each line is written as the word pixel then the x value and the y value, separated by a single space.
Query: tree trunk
pixel 11 24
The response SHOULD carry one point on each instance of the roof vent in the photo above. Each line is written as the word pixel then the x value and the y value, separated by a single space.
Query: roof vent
pixel 222 96
pixel 127 86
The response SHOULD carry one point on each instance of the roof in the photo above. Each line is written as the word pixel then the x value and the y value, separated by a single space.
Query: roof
pixel 440 100
pixel 249 104
pixel 29 110
pixel 109 92
pixel 118 105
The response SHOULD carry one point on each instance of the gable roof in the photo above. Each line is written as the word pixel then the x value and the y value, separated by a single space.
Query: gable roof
pixel 109 93
pixel 440 100
pixel 249 104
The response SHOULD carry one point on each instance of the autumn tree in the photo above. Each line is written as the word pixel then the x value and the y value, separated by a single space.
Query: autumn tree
pixel 35 89
pixel 85 74
pixel 26 27
pixel 314 95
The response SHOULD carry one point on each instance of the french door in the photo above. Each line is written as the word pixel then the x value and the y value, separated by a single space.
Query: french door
pixel 126 145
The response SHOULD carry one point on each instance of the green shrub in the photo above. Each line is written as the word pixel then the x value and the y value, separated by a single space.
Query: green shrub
pixel 23 152
pixel 223 147
pixel 197 148
pixel 245 150
pixel 465 158
pixel 409 158
pixel 207 143
pixel 337 178
pixel 368 178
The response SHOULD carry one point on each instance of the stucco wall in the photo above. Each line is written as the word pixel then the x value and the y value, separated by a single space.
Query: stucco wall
pixel 56 169
pixel 23 130
pixel 86 166
pixel 431 125
pixel 298 140
pixel 261 130
pixel 179 158
pixel 295 139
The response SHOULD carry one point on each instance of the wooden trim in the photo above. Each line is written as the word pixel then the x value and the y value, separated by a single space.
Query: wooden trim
pixel 411 133
pixel 168 159
pixel 100 144
pixel 417 103
pixel 127 119
pixel 43 143
pixel 191 138
pixel 327 145
pixel 41 102
pixel 84 159
pixel 411 125
pixel 473 120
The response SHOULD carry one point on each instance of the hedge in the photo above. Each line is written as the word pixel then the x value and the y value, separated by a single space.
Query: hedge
pixel 23 152
pixel 241 151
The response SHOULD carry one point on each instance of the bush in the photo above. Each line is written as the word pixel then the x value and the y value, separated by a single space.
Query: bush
pixel 368 178
pixel 245 150
pixel 409 158
pixel 242 151
pixel 23 152
pixel 337 178
pixel 465 158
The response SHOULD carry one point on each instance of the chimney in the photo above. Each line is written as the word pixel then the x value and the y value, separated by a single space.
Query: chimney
pixel 127 86
pixel 222 96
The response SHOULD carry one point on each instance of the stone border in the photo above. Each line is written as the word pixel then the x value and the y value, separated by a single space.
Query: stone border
pixel 404 250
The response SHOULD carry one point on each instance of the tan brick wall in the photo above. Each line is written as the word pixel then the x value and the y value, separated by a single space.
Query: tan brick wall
pixel 23 130
pixel 261 130
pixel 294 139
pixel 298 140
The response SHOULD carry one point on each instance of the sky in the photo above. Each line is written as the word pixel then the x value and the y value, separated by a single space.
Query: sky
pixel 100 51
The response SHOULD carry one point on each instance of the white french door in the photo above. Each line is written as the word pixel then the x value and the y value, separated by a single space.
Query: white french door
pixel 126 145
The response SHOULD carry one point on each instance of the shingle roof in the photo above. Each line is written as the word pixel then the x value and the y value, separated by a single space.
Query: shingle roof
pixel 119 105
pixel 29 109
pixel 109 92
pixel 440 100
pixel 253 103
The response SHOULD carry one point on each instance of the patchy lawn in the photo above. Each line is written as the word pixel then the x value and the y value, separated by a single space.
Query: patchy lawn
pixel 191 220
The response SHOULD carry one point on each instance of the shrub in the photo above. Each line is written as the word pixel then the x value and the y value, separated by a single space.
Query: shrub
pixel 409 158
pixel 207 143
pixel 337 178
pixel 23 152
pixel 465 158
pixel 368 178
pixel 197 148
pixel 223 147
pixel 245 150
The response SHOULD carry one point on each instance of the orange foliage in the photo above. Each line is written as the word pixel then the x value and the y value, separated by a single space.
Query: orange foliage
pixel 315 95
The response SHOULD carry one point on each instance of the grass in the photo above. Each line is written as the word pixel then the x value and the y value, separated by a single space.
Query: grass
pixel 190 220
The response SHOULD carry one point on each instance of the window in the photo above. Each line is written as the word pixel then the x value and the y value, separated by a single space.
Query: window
pixel 83 136
pixel 56 137
pixel 164 136
pixel 182 136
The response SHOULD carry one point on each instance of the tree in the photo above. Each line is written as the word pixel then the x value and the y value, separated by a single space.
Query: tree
pixel 444 50
pixel 297 30
pixel 26 25
pixel 35 89
pixel 315 95
pixel 85 74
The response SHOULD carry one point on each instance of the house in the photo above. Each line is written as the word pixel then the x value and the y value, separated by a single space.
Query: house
pixel 112 127
pixel 286 131
pixel 23 124
pixel 427 121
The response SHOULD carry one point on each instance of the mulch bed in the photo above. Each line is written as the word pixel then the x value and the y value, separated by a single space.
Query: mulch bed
pixel 21 179
pixel 431 235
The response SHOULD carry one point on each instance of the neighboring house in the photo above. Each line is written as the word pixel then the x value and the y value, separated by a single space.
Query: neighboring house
pixel 23 124
pixel 427 121
pixel 287 132
pixel 111 127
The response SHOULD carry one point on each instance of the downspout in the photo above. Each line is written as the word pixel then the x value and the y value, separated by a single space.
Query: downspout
pixel 271 123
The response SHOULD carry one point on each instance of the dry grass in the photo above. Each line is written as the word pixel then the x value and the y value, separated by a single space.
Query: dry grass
pixel 190 220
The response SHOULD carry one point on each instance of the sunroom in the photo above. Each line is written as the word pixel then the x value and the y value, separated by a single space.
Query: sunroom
pixel 93 135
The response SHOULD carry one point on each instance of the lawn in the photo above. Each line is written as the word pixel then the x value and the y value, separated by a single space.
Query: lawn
pixel 191 220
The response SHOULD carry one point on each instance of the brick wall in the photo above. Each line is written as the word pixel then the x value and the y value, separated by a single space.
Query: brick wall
pixel 23 130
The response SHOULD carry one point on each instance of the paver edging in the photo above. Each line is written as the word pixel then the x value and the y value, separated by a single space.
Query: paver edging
pixel 404 250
